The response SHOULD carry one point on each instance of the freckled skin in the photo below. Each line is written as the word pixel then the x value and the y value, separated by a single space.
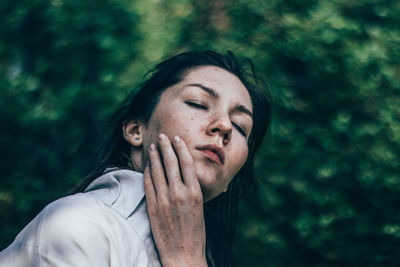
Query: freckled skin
pixel 199 127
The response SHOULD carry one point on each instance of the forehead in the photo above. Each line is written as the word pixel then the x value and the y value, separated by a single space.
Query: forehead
pixel 226 84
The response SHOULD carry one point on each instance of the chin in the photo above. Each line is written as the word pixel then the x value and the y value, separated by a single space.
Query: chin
pixel 207 177
pixel 209 195
pixel 206 183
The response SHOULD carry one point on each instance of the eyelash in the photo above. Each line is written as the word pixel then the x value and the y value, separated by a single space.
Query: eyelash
pixel 196 105
pixel 240 129
pixel 200 106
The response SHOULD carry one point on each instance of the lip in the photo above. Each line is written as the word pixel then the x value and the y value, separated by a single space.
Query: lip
pixel 213 152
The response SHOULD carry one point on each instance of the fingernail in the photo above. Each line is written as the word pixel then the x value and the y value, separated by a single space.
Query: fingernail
pixel 177 139
pixel 162 137
pixel 152 147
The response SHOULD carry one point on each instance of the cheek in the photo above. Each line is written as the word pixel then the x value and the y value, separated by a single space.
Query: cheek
pixel 163 122
pixel 186 126
pixel 241 152
pixel 176 125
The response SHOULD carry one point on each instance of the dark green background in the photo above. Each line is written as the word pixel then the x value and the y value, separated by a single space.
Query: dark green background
pixel 329 171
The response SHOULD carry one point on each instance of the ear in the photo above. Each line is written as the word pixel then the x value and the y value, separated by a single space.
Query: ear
pixel 133 133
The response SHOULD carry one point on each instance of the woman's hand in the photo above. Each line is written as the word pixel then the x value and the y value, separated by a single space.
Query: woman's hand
pixel 175 204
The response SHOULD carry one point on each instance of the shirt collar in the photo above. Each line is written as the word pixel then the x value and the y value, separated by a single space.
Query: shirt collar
pixel 120 189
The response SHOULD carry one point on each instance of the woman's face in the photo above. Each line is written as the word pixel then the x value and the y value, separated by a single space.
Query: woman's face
pixel 210 109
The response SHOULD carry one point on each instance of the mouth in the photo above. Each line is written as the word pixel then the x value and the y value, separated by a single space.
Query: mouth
pixel 213 153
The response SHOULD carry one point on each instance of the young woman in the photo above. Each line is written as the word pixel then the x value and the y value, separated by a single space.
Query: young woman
pixel 165 192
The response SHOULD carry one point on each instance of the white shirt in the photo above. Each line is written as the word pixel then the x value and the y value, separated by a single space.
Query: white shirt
pixel 107 225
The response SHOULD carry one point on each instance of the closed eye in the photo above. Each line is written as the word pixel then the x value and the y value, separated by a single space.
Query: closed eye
pixel 241 130
pixel 196 105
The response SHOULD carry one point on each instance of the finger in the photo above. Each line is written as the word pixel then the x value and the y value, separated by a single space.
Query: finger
pixel 171 164
pixel 157 172
pixel 149 189
pixel 185 162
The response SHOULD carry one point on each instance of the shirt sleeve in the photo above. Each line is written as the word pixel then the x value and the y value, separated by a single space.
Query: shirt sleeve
pixel 68 232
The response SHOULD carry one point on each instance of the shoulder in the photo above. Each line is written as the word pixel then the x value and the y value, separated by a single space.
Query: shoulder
pixel 76 217
pixel 74 233
pixel 62 217
pixel 79 204
pixel 68 232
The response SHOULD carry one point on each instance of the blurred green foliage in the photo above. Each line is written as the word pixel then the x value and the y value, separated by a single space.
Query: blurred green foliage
pixel 328 173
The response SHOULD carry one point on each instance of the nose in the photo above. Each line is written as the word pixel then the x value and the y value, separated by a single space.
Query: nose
pixel 221 125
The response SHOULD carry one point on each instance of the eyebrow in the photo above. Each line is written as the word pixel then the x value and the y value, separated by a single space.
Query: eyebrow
pixel 245 110
pixel 208 90
pixel 214 94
